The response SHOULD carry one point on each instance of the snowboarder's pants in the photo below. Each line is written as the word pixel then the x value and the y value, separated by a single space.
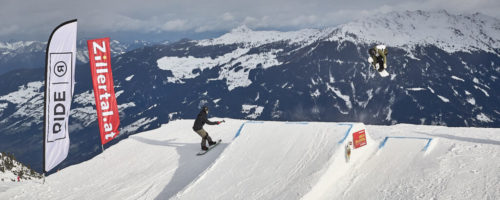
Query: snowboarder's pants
pixel 204 137
pixel 377 59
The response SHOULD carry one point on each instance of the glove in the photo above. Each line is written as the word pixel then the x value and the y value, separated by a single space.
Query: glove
pixel 385 66
pixel 370 60
pixel 218 122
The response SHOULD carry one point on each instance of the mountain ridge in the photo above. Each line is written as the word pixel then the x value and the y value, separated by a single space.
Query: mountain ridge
pixel 469 31
pixel 31 54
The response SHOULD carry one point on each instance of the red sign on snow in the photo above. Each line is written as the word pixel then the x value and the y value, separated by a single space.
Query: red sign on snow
pixel 104 92
pixel 359 138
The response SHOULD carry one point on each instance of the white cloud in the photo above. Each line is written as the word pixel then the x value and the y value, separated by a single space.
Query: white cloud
pixel 175 25
pixel 227 17
pixel 304 19
pixel 116 22
pixel 250 20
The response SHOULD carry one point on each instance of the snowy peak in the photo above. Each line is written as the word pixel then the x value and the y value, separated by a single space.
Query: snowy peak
pixel 407 29
pixel 247 37
pixel 241 29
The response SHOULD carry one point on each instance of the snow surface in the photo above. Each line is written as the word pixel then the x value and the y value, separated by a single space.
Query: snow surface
pixel 247 109
pixel 25 92
pixel 283 160
pixel 129 77
pixel 415 89
pixel 182 67
pixel 27 99
pixel 15 45
pixel 483 117
pixel 482 90
pixel 239 77
pixel 444 99
pixel 8 175
pixel 190 67
pixel 471 100
pixel 117 94
pixel 2 107
pixel 457 78
pixel 339 94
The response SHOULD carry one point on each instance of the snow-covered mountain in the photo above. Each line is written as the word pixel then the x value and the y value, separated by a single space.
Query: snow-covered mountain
pixel 117 48
pixel 283 160
pixel 11 169
pixel 31 54
pixel 304 75
pixel 407 30
pixel 21 54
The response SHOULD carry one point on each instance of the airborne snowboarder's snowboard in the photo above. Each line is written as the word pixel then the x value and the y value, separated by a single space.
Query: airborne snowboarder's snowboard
pixel 203 152
pixel 383 73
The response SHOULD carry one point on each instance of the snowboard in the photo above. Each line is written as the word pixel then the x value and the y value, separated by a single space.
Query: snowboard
pixel 203 152
pixel 383 73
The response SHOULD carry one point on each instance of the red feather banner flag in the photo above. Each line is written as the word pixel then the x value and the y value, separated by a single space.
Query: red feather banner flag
pixel 104 92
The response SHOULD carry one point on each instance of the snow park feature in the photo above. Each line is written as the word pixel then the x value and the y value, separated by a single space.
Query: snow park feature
pixel 292 158
pixel 283 160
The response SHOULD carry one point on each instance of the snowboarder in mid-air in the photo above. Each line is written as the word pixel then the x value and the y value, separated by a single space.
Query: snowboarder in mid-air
pixel 201 120
pixel 378 57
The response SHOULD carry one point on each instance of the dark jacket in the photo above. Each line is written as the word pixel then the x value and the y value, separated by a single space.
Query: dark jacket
pixel 379 55
pixel 201 119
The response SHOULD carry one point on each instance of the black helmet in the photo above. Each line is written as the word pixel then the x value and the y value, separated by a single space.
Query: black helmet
pixel 204 108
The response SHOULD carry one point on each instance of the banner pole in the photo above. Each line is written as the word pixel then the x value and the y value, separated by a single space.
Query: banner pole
pixel 43 178
pixel 102 145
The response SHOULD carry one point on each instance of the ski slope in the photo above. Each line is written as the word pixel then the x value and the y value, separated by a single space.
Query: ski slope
pixel 271 160
pixel 280 160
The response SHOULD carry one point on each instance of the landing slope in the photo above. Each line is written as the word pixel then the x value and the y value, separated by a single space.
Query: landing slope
pixel 147 165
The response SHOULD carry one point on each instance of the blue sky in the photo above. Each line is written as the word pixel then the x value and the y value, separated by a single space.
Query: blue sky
pixel 175 19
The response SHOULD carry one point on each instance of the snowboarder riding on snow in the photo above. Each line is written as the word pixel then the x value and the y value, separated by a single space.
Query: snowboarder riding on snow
pixel 378 57
pixel 201 119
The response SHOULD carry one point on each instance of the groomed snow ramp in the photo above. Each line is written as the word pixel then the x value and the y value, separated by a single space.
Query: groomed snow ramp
pixel 275 160
pixel 279 160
